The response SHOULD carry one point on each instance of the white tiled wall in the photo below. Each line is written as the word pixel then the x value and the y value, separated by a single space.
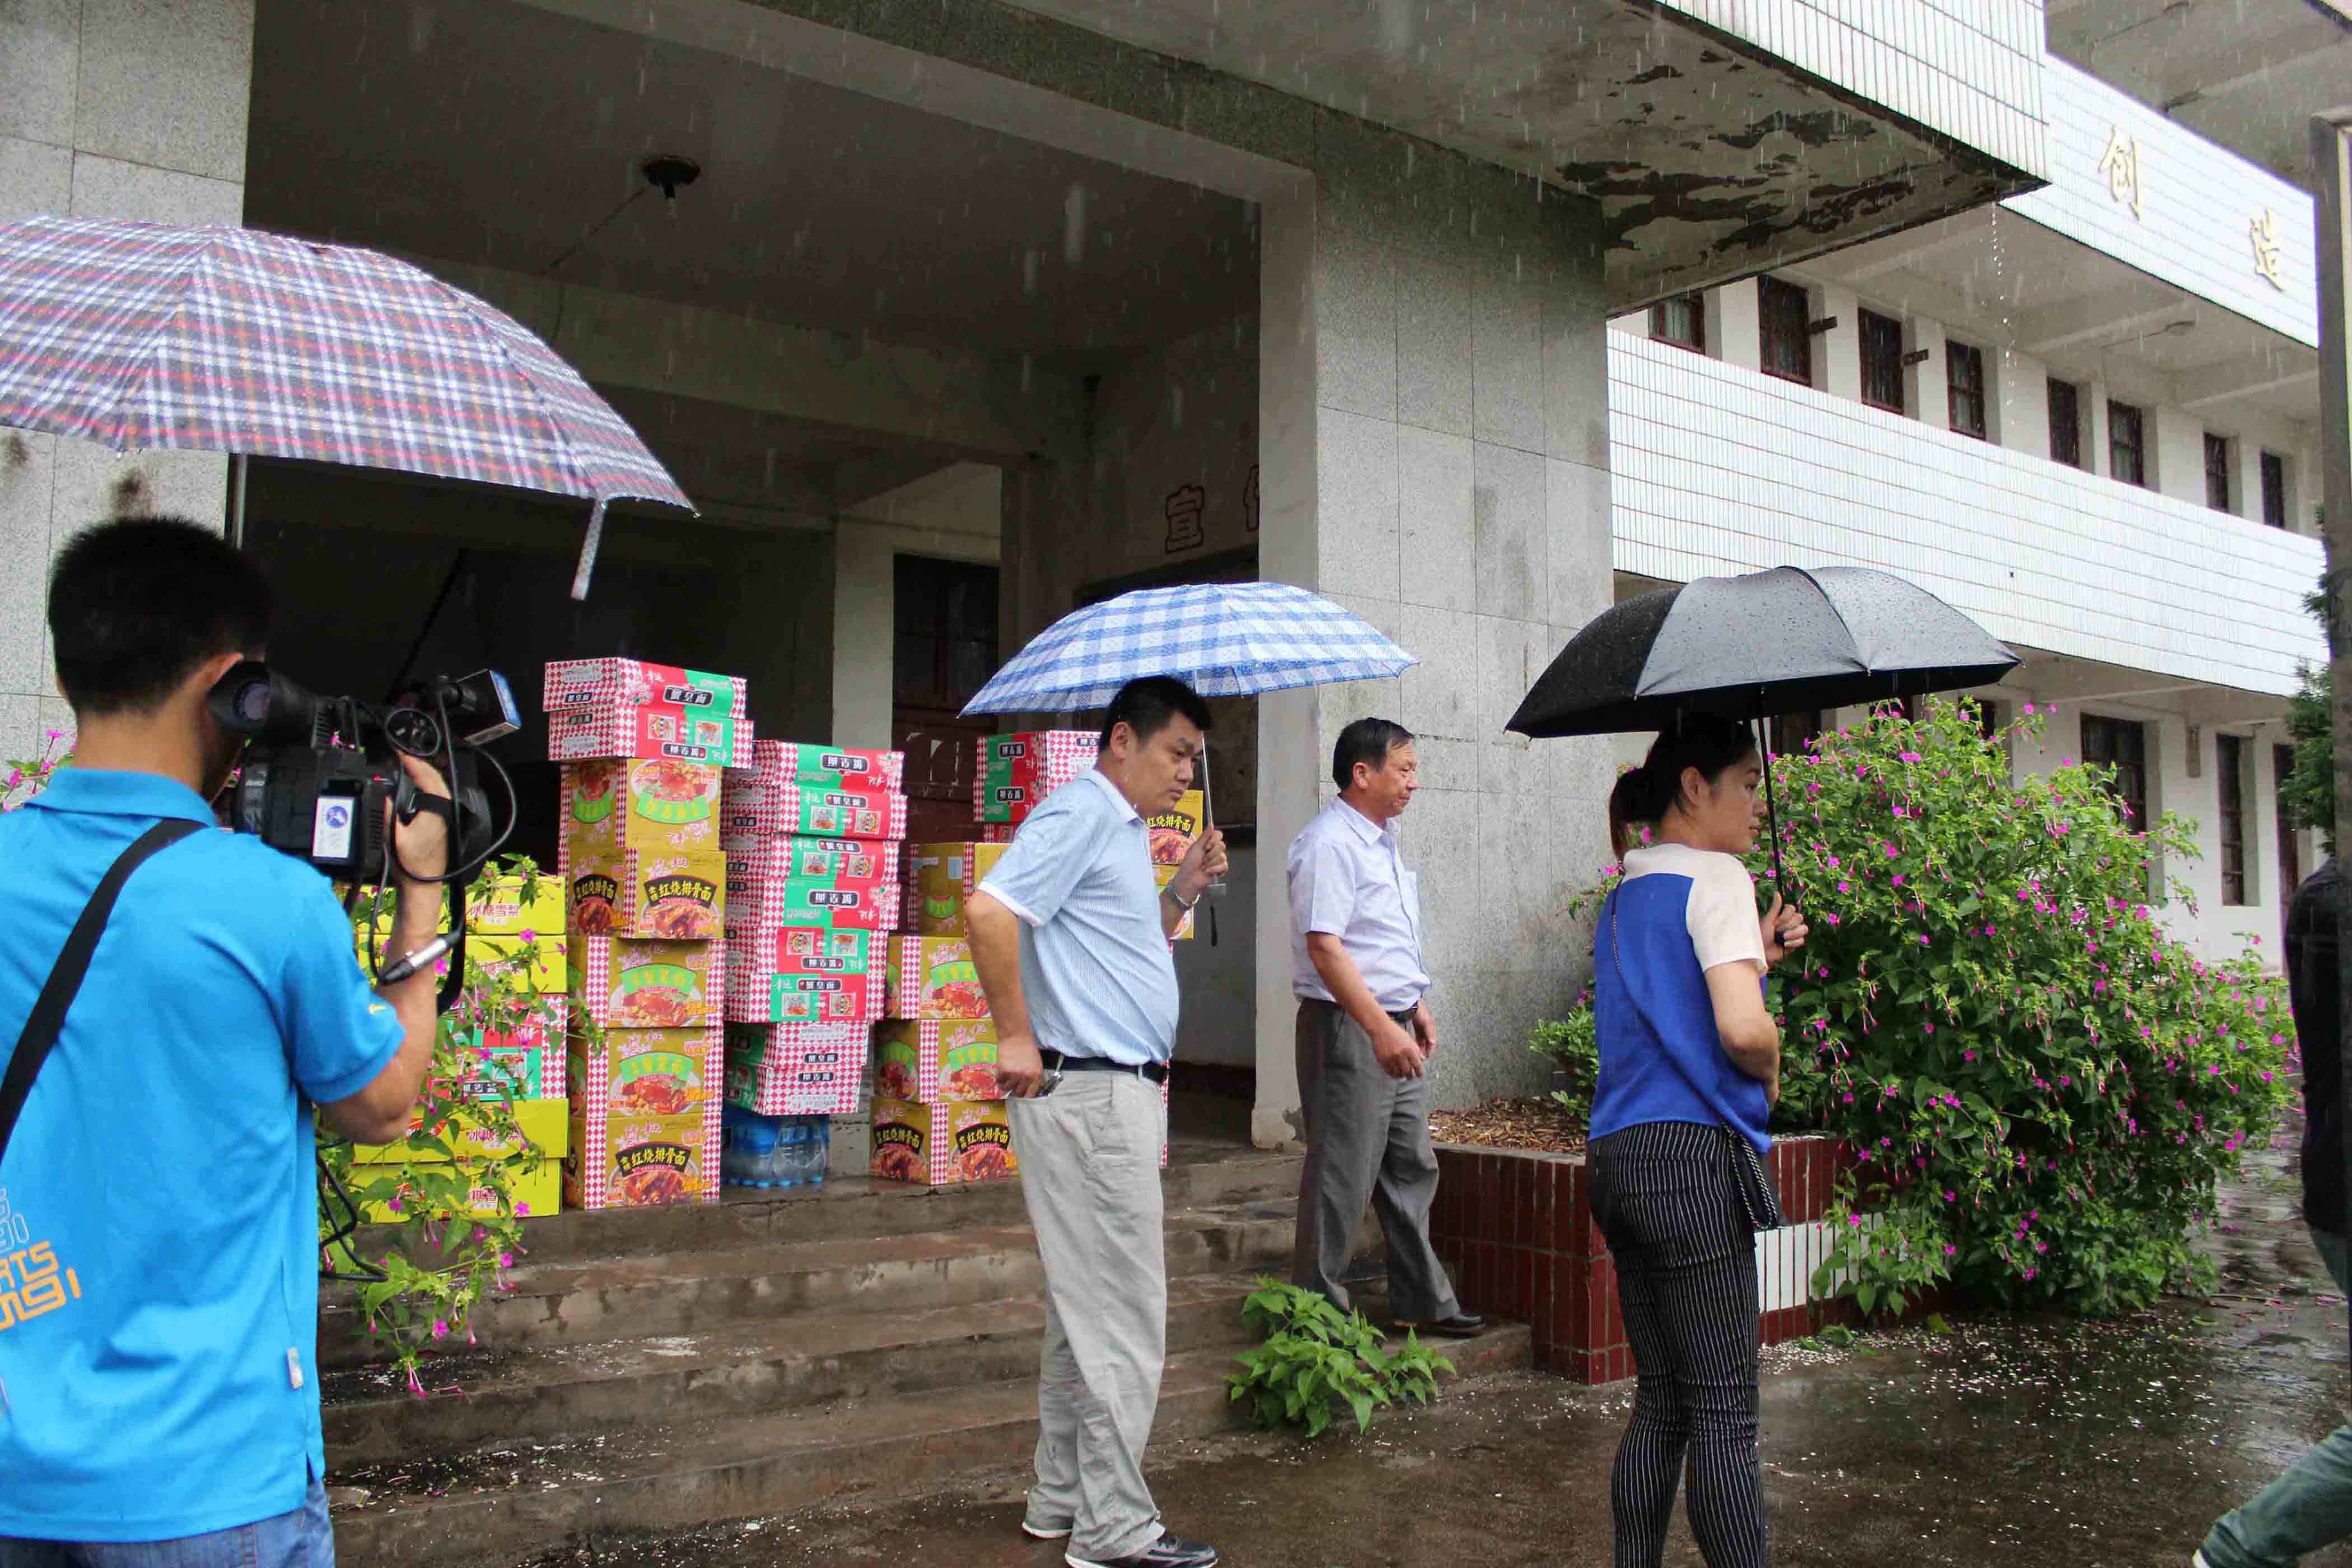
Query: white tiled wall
pixel 1720 469
pixel 2198 202
pixel 1970 69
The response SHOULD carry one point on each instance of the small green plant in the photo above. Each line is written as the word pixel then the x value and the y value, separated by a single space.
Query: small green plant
pixel 454 1227
pixel 1316 1356
pixel 21 781
pixel 1571 1046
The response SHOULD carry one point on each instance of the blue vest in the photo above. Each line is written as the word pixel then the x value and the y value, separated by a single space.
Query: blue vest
pixel 1662 1057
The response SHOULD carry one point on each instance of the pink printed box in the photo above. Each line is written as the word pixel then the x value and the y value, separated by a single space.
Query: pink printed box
pixel 756 910
pixel 808 975
pixel 600 682
pixel 631 983
pixel 773 856
pixel 1016 772
pixel 767 798
pixel 797 1069
pixel 654 731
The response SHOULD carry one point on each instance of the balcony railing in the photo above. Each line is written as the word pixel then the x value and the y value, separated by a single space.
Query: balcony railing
pixel 1719 469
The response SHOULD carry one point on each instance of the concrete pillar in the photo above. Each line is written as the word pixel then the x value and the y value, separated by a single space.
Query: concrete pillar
pixel 1741 341
pixel 1837 353
pixel 131 108
pixel 1925 392
pixel 1434 456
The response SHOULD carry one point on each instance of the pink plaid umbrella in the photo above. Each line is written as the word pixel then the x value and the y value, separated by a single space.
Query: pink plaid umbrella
pixel 229 340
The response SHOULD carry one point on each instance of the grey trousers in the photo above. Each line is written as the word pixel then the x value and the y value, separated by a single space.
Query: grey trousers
pixel 1366 1139
pixel 1089 1157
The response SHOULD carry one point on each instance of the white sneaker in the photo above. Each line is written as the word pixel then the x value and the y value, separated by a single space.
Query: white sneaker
pixel 1044 1532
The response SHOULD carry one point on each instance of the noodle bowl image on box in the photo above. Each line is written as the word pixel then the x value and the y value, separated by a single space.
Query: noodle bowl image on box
pixel 645 1119
pixel 941 1144
pixel 951 1059
pixel 932 977
pixel 624 983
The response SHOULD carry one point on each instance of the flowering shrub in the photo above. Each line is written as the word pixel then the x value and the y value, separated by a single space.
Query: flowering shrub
pixel 2042 1086
pixel 21 781
pixel 1569 1044
pixel 457 1229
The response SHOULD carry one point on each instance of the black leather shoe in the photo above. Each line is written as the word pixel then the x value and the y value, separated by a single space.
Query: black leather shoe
pixel 1460 1326
pixel 1170 1551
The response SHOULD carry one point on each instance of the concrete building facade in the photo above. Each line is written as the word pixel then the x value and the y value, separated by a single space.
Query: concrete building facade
pixel 980 312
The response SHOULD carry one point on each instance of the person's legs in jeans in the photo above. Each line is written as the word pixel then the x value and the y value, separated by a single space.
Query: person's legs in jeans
pixel 1686 1288
pixel 2307 1507
pixel 301 1539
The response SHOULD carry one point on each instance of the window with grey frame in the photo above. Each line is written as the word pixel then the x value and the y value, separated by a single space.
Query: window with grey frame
pixel 2230 778
pixel 1882 361
pixel 2126 444
pixel 1681 321
pixel 1785 311
pixel 2066 423
pixel 2120 744
pixel 1964 385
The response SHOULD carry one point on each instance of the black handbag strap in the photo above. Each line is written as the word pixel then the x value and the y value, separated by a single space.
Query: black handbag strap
pixel 57 993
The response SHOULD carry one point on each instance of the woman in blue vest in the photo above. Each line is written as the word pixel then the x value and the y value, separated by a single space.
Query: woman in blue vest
pixel 1690 1063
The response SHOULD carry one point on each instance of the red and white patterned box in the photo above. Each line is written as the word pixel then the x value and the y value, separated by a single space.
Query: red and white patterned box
pixel 613 1139
pixel 756 910
pixel 998 832
pixel 933 977
pixel 956 1140
pixel 649 729
pixel 812 764
pixel 767 798
pixel 797 1069
pixel 1015 774
pixel 771 983
pixel 774 857
pixel 596 682
pixel 631 983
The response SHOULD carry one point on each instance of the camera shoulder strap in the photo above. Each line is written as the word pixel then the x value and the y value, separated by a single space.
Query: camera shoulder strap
pixel 57 993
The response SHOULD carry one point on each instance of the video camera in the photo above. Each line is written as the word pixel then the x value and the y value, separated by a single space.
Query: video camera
pixel 318 772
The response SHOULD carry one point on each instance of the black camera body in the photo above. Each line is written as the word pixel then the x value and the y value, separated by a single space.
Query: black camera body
pixel 319 772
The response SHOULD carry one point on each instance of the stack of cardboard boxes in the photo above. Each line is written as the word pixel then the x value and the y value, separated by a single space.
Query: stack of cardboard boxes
pixel 645 888
pixel 938 1114
pixel 813 891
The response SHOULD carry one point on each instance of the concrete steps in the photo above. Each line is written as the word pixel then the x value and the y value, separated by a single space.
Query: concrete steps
pixel 655 1369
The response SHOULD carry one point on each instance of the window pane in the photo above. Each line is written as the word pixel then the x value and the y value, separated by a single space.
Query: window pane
pixel 2273 489
pixel 1792 733
pixel 2120 744
pixel 1882 361
pixel 1964 376
pixel 1681 321
pixel 2217 471
pixel 2125 460
pixel 1787 347
pixel 2230 762
pixel 2065 423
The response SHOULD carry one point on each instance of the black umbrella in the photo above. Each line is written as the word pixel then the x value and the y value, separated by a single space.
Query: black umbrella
pixel 1782 641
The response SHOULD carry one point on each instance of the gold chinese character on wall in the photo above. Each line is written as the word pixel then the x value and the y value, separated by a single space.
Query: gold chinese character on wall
pixel 2121 165
pixel 2263 230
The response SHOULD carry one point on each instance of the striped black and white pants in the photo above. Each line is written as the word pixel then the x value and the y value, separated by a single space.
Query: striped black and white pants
pixel 1686 1257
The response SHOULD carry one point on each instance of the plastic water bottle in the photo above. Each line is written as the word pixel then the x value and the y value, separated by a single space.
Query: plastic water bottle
pixel 758 1150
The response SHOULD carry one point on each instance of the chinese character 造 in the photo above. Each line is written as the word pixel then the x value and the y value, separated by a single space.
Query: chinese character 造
pixel 1185 504
pixel 2121 166
pixel 2263 231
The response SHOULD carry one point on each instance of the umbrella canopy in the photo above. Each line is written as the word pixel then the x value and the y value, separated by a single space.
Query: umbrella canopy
pixel 1224 639
pixel 229 340
pixel 1782 641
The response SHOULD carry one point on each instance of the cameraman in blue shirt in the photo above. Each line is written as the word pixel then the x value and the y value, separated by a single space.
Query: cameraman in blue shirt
pixel 158 1391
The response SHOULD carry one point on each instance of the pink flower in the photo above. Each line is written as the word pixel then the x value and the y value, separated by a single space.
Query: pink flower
pixel 1951 1251
pixel 1929 1027
pixel 2030 707
pixel 440 1330
pixel 1833 919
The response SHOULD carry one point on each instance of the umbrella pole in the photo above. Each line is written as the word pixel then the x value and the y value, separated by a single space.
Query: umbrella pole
pixel 1771 808
pixel 1209 812
pixel 236 506
pixel 588 552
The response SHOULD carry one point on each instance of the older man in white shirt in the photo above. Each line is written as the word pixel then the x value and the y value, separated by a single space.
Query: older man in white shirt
pixel 1365 1034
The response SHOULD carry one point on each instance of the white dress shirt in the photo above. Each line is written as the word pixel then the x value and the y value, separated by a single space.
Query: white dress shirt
pixel 1347 880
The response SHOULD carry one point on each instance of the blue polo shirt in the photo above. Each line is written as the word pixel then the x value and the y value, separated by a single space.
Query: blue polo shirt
pixel 1096 967
pixel 159 1288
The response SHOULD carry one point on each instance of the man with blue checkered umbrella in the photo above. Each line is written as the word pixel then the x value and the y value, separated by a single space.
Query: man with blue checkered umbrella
pixel 1070 935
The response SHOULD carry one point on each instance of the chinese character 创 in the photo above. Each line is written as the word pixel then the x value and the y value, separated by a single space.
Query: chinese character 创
pixel 2269 252
pixel 2121 165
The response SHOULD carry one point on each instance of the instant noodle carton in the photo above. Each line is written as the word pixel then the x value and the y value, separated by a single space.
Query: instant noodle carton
pixel 653 729
pixel 808 975
pixel 645 1113
pixel 756 907
pixel 1173 830
pixel 800 762
pixel 535 1194
pixel 775 857
pixel 797 1069
pixel 604 683
pixel 937 1144
pixel 625 802
pixel 514 930
pixel 932 977
pixel 951 1059
pixel 530 1054
pixel 940 878
pixel 1016 772
pixel 762 800
pixel 631 983
pixel 675 896
pixel 1163 875
pixel 540 1124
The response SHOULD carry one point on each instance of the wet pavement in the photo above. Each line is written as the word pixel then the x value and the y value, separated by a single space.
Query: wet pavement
pixel 2033 1441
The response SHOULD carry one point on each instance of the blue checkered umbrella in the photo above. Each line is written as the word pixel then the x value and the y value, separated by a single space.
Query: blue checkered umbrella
pixel 1222 639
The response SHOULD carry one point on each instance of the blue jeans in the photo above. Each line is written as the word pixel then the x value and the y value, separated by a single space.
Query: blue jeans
pixel 2307 1507
pixel 302 1538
